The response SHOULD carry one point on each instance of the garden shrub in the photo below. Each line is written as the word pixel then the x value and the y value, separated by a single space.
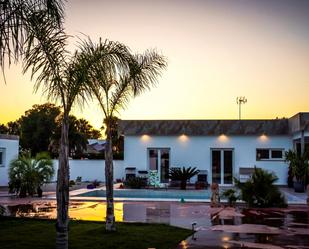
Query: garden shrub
pixel 136 182
pixel 260 191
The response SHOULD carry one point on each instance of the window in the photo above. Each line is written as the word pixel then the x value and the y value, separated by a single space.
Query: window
pixel 269 154
pixel 2 150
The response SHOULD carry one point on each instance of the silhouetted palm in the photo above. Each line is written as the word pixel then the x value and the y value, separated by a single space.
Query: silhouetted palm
pixel 14 24
pixel 115 80
pixel 61 75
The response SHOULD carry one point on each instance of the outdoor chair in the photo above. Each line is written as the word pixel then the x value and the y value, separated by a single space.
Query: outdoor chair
pixel 202 182
pixel 130 172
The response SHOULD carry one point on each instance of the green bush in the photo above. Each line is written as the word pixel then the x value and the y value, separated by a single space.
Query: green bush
pixel 231 196
pixel 136 182
pixel 260 191
pixel 71 183
pixel 28 174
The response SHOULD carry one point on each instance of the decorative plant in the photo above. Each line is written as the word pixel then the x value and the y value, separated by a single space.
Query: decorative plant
pixel 27 174
pixel 135 182
pixel 299 165
pixel 183 175
pixel 231 196
pixel 260 191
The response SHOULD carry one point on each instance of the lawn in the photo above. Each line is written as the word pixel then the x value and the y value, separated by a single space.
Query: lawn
pixel 21 233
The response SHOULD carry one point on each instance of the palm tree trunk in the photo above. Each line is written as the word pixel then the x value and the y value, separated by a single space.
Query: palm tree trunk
pixel 63 187
pixel 109 175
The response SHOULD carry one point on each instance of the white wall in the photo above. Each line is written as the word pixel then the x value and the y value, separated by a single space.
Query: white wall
pixel 91 170
pixel 11 152
pixel 196 151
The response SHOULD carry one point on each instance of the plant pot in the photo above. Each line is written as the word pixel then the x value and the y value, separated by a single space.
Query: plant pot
pixel 299 187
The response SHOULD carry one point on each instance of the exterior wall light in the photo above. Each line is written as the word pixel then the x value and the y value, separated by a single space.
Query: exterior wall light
pixel 263 137
pixel 223 138
pixel 145 138
pixel 183 138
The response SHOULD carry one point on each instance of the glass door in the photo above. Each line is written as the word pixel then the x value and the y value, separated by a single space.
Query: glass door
pixel 222 166
pixel 159 159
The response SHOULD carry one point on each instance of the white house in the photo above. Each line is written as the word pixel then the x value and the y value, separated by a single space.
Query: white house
pixel 8 151
pixel 222 148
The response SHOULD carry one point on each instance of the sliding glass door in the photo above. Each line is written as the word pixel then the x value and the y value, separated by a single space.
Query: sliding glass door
pixel 222 166
pixel 159 159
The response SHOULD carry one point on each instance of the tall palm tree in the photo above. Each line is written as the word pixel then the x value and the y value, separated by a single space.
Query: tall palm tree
pixel 64 78
pixel 113 85
pixel 14 24
pixel 61 75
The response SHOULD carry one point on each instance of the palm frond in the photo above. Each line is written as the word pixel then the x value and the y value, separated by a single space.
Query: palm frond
pixel 14 24
pixel 145 69
pixel 46 56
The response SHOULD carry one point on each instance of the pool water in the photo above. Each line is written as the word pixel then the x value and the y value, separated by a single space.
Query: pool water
pixel 153 194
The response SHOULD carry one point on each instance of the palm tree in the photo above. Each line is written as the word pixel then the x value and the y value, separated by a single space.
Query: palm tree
pixel 27 174
pixel 64 78
pixel 114 83
pixel 14 24
pixel 61 75
pixel 183 175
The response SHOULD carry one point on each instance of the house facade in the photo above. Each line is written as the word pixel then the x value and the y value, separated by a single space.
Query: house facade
pixel 9 146
pixel 221 148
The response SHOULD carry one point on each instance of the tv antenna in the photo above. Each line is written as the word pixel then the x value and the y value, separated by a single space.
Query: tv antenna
pixel 240 101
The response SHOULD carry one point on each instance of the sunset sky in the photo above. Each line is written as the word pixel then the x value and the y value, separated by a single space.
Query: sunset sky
pixel 216 50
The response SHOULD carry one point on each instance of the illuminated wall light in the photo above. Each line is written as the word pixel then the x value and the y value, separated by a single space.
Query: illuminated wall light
pixel 223 138
pixel 225 238
pixel 183 138
pixel 263 137
pixel 145 138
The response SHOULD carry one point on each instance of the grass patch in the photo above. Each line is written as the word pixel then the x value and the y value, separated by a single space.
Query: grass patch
pixel 20 233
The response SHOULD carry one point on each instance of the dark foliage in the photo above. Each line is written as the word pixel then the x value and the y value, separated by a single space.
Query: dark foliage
pixel 298 165
pixel 260 191
pixel 231 196
pixel 28 174
pixel 136 182
pixel 183 175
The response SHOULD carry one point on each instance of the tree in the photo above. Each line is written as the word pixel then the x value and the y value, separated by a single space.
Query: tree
pixel 37 126
pixel 114 83
pixel 3 129
pixel 77 139
pixel 63 77
pixel 183 175
pixel 27 174
pixel 14 25
pixel 14 127
pixel 89 132
pixel 117 140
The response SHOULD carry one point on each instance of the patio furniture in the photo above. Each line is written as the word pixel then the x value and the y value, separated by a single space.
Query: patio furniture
pixel 202 182
pixel 130 172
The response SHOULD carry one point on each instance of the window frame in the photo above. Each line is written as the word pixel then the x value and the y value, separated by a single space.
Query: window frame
pixel 2 161
pixel 270 158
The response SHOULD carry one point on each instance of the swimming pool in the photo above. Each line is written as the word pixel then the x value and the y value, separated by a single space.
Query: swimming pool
pixel 153 194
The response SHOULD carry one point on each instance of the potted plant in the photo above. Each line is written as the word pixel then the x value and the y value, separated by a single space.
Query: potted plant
pixel 299 165
pixel 183 175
